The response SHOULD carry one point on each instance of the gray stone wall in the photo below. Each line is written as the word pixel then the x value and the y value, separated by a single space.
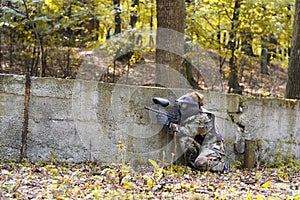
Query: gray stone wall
pixel 75 120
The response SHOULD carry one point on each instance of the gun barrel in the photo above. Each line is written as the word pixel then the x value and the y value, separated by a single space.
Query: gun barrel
pixel 173 117
pixel 153 110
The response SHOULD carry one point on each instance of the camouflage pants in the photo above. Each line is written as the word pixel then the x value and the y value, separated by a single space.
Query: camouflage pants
pixel 203 158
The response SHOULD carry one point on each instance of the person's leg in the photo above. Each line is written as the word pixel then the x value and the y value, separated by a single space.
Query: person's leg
pixel 190 148
pixel 209 160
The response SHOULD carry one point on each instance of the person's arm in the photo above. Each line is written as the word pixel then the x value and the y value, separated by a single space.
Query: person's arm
pixel 193 126
pixel 190 128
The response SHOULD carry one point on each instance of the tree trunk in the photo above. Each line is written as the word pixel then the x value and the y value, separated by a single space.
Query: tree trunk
pixel 169 41
pixel 151 40
pixel 264 57
pixel 133 14
pixel 233 83
pixel 293 84
pixel 117 16
pixel 133 20
pixel 23 153
pixel 43 58
pixel 265 52
pixel 1 55
pixel 1 30
pixel 95 22
pixel 247 44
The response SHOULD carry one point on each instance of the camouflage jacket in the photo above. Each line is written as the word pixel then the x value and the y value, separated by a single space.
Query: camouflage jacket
pixel 201 128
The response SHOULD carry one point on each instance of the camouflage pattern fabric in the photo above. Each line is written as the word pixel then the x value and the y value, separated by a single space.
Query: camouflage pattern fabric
pixel 203 146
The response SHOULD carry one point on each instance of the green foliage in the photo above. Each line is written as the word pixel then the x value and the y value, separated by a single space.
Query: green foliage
pixel 158 171
pixel 209 22
pixel 43 27
pixel 285 162
pixel 45 36
pixel 52 157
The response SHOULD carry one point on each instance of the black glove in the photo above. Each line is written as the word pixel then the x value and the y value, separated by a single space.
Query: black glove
pixel 162 119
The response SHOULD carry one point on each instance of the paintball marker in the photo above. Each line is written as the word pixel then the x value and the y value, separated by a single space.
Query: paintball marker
pixel 172 118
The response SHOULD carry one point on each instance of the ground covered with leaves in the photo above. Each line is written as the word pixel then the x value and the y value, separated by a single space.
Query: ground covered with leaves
pixel 99 181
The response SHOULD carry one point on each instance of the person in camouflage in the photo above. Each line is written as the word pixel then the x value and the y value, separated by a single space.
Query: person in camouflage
pixel 202 146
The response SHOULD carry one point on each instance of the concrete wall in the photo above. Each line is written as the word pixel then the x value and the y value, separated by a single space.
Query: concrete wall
pixel 77 120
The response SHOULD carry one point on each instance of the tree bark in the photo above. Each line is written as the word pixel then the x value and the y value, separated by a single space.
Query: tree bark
pixel 23 153
pixel 133 14
pixel 151 40
pixel 117 16
pixel 293 83
pixel 169 41
pixel 233 83
pixel 247 44
pixel 38 38
pixel 264 57
pixel 1 54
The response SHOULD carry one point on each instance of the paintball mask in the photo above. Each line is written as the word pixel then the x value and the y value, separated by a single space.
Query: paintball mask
pixel 187 107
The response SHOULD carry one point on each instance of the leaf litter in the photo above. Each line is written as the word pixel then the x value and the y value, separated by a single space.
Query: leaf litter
pixel 101 181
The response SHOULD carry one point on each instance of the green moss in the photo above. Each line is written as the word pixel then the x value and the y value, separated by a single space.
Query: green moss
pixel 290 104
pixel 265 102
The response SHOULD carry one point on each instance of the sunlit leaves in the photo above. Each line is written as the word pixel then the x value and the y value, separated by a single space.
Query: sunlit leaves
pixel 63 27
pixel 267 184
pixel 209 18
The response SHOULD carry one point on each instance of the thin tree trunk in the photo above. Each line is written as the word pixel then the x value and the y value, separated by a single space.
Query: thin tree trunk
pixel 221 59
pixel 264 57
pixel 293 84
pixel 151 40
pixel 43 59
pixel 68 71
pixel 246 45
pixel 133 14
pixel 23 153
pixel 11 48
pixel 36 35
pixel 1 54
pixel 117 31
pixel 37 62
pixel 117 16
pixel 233 83
pixel 264 52
pixel 95 23
pixel 32 71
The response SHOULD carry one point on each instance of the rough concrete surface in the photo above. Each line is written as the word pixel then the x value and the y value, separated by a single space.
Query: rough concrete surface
pixel 76 120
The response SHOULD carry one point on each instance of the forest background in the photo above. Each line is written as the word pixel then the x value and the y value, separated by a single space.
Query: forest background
pixel 249 40
pixel 50 38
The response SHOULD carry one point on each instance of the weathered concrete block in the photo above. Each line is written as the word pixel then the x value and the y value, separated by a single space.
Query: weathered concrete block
pixel 51 87
pixel 10 137
pixel 13 84
pixel 11 115
pixel 85 120
pixel 52 137
pixel 233 103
